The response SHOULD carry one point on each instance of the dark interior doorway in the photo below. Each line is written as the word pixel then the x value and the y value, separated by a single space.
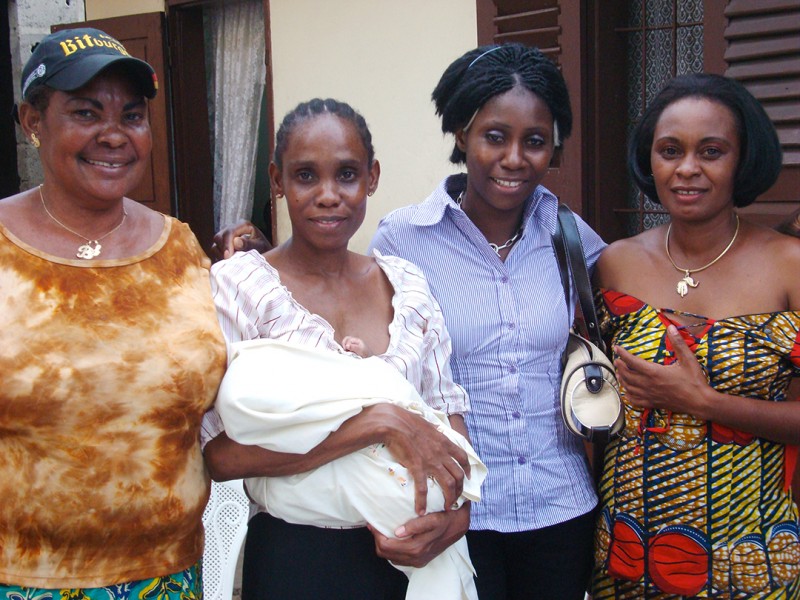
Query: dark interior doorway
pixel 9 177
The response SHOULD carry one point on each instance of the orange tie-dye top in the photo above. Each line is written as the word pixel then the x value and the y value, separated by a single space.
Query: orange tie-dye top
pixel 107 367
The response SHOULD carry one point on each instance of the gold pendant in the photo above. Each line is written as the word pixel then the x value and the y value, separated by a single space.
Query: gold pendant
pixel 88 251
pixel 684 284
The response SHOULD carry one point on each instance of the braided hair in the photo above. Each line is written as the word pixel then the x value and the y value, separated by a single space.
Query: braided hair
pixel 313 108
pixel 485 72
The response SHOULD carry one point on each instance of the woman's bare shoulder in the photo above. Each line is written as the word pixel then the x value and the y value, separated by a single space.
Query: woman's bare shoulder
pixel 764 270
pixel 773 247
pixel 20 214
pixel 13 207
pixel 626 256
pixel 783 253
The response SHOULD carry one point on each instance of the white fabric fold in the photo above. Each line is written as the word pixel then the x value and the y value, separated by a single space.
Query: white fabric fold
pixel 289 398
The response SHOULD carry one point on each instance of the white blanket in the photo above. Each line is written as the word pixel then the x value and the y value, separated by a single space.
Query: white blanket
pixel 289 398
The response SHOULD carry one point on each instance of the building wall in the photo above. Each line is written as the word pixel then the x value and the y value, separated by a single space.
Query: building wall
pixel 104 9
pixel 384 58
pixel 29 22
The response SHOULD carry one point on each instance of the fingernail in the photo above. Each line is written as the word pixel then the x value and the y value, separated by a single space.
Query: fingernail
pixel 400 531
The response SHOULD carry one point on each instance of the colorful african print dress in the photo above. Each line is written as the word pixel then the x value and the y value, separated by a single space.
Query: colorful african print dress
pixel 690 508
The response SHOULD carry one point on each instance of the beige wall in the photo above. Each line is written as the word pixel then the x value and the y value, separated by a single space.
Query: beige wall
pixel 384 57
pixel 104 9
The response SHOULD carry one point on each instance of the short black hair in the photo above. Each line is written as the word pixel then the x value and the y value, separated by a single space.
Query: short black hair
pixel 760 156
pixel 38 97
pixel 485 72
pixel 316 107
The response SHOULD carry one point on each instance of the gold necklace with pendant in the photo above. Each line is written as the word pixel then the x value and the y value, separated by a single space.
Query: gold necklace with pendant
pixel 92 248
pixel 687 281
pixel 497 248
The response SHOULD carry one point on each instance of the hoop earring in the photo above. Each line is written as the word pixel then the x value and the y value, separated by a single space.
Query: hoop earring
pixel 35 141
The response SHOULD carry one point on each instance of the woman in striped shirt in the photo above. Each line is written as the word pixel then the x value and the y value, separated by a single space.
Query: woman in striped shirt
pixel 483 241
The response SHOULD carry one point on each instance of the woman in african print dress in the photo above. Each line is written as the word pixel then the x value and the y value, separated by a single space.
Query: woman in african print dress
pixel 696 498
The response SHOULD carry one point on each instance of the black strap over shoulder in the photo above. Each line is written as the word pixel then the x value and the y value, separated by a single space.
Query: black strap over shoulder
pixel 569 253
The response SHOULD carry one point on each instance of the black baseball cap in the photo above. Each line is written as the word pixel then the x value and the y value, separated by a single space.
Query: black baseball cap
pixel 68 59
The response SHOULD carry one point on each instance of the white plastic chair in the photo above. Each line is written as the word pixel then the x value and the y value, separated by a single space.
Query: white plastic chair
pixel 225 521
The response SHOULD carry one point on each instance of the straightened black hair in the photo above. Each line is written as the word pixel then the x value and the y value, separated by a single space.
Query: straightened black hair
pixel 485 72
pixel 760 156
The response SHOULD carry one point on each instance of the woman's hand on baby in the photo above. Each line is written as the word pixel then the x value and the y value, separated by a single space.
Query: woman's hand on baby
pixel 425 452
pixel 243 236
pixel 422 539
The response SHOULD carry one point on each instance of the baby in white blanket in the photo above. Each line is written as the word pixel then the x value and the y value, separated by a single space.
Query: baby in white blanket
pixel 309 393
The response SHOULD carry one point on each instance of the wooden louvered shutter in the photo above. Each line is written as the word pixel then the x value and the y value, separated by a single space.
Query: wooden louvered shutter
pixel 763 53
pixel 541 23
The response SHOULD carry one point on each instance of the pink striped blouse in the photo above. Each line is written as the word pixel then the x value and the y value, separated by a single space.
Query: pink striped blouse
pixel 252 303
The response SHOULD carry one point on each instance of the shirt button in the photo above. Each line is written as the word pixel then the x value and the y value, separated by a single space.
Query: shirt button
pixel 511 325
pixel 504 279
pixel 512 369
pixel 516 414
pixel 522 460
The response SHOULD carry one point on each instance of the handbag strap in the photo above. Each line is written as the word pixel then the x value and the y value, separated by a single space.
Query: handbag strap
pixel 569 253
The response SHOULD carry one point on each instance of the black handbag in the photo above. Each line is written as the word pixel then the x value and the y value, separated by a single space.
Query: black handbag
pixel 590 403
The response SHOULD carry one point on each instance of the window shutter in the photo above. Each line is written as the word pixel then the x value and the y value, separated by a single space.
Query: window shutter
pixel 529 22
pixel 764 54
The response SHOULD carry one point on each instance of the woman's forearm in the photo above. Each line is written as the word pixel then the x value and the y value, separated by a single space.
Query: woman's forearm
pixel 458 424
pixel 228 459
pixel 414 442
pixel 774 421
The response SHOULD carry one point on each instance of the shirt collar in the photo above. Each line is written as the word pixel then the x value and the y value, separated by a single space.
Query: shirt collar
pixel 432 210
pixel 541 207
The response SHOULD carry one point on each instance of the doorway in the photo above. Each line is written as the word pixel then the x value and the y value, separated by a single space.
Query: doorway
pixel 9 177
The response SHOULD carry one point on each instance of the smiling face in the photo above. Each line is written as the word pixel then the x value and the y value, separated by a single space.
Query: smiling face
pixel 326 177
pixel 95 141
pixel 509 146
pixel 694 158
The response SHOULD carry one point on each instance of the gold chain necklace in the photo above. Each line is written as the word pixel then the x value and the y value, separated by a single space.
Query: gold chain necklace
pixel 91 248
pixel 497 248
pixel 684 284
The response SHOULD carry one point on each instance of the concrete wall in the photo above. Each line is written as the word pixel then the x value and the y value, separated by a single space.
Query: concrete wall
pixel 384 58
pixel 29 22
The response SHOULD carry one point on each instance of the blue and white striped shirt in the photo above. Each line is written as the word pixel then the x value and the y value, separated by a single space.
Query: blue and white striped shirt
pixel 508 322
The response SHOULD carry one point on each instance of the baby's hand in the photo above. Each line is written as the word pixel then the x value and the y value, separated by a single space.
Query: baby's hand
pixel 356 346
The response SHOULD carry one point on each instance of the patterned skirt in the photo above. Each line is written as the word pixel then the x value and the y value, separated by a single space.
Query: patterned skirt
pixel 184 585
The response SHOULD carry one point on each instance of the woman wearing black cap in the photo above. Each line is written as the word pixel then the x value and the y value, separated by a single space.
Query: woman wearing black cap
pixel 110 350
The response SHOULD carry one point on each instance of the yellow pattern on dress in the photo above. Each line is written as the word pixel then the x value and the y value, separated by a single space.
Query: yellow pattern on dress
pixel 689 508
